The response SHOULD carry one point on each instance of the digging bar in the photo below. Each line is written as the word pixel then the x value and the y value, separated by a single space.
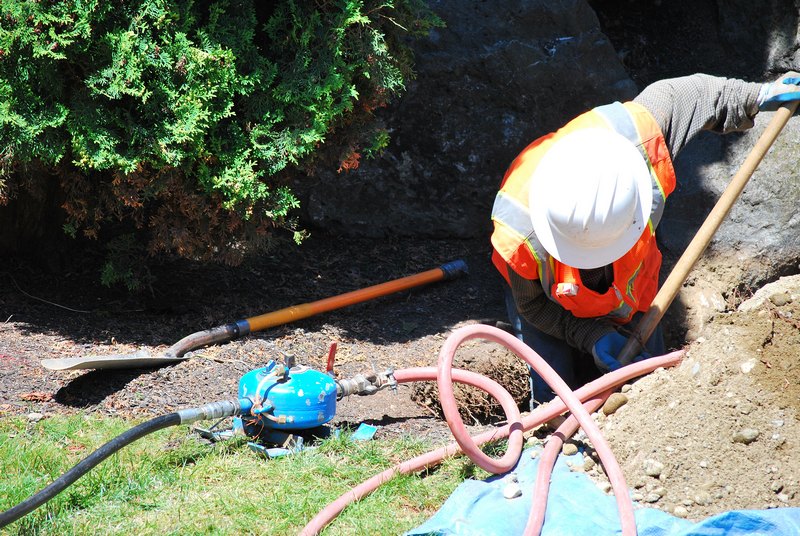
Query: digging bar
pixel 702 238
pixel 240 328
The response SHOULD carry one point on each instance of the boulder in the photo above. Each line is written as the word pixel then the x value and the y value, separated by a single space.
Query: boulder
pixel 499 75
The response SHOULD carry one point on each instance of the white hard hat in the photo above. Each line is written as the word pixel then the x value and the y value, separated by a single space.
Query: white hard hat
pixel 590 198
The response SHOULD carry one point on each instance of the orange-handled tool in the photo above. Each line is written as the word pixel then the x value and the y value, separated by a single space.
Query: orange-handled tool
pixel 240 328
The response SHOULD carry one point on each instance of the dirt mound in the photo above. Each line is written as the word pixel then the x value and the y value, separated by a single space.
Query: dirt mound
pixel 721 431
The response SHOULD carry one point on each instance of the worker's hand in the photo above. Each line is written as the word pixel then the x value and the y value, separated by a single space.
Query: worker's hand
pixel 606 350
pixel 782 90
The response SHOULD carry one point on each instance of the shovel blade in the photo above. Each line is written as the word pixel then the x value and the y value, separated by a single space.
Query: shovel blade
pixel 139 359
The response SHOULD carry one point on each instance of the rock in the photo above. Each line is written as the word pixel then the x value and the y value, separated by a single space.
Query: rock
pixel 614 402
pixel 680 511
pixel 568 449
pixel 35 417
pixel 652 497
pixel 780 299
pixel 512 491
pixel 653 468
pixel 745 436
pixel 748 365
pixel 533 441
pixel 766 293
pixel 485 88
pixel 702 498
pixel 576 468
pixel 588 464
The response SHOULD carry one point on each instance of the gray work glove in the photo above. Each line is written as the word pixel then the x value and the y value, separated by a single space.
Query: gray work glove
pixel 783 90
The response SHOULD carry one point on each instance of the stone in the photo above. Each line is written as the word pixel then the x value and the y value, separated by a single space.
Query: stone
pixel 614 402
pixel 568 449
pixel 588 463
pixel 652 497
pixel 512 491
pixel 653 468
pixel 485 88
pixel 702 498
pixel 780 299
pixel 745 436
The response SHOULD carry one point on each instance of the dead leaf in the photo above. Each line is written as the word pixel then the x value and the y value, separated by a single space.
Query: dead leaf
pixel 37 396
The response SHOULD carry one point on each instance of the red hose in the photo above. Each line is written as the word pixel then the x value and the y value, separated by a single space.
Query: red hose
pixel 444 380
pixel 449 404
pixel 548 460
pixel 540 415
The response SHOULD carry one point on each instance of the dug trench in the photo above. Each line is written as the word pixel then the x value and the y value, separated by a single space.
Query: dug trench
pixel 719 432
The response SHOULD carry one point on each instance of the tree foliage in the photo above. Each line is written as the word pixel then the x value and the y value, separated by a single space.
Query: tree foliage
pixel 182 118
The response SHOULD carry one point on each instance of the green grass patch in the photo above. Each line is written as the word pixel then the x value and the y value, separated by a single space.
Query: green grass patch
pixel 172 482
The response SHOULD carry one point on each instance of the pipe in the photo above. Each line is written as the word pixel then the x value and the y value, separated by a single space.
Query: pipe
pixel 445 272
pixel 214 410
pixel 536 418
pixel 444 380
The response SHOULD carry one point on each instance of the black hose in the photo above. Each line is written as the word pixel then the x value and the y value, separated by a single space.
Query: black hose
pixel 61 483
pixel 213 410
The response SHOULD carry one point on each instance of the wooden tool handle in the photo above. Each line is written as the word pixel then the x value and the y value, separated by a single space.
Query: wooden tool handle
pixel 703 237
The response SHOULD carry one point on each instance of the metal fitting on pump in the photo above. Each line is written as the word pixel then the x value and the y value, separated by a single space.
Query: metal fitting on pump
pixel 365 385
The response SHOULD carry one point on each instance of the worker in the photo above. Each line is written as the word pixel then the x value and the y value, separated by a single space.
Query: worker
pixel 576 216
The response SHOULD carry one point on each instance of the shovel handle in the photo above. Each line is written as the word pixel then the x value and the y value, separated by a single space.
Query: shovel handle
pixel 702 238
pixel 450 270
pixel 240 328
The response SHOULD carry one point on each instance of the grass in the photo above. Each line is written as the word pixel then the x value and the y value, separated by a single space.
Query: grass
pixel 171 482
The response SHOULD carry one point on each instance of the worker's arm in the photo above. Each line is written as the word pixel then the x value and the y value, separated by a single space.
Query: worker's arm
pixel 684 106
pixel 548 316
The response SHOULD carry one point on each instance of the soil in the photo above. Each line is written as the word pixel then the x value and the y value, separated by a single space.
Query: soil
pixel 740 377
pixel 70 314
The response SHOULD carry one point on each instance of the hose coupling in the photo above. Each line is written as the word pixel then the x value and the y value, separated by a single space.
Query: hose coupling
pixel 365 384
pixel 216 410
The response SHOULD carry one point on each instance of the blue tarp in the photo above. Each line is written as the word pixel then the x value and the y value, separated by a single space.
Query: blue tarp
pixel 576 506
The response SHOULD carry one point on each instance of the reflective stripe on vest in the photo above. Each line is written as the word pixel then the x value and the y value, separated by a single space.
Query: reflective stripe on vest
pixel 515 242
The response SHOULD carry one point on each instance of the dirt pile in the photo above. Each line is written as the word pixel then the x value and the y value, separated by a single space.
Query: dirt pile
pixel 721 431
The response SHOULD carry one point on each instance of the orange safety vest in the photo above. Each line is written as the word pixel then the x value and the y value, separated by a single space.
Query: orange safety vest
pixel 636 273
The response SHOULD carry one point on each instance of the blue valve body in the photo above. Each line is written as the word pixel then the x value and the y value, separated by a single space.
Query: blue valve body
pixel 303 399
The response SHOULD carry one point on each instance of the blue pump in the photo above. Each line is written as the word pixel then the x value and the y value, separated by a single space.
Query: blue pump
pixel 290 399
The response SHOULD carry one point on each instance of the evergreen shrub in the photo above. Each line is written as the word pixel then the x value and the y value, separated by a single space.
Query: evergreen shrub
pixel 183 119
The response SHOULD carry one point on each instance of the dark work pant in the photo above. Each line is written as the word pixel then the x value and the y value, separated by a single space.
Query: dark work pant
pixel 573 365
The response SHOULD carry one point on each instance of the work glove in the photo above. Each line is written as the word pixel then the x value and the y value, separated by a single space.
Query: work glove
pixel 782 90
pixel 606 350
